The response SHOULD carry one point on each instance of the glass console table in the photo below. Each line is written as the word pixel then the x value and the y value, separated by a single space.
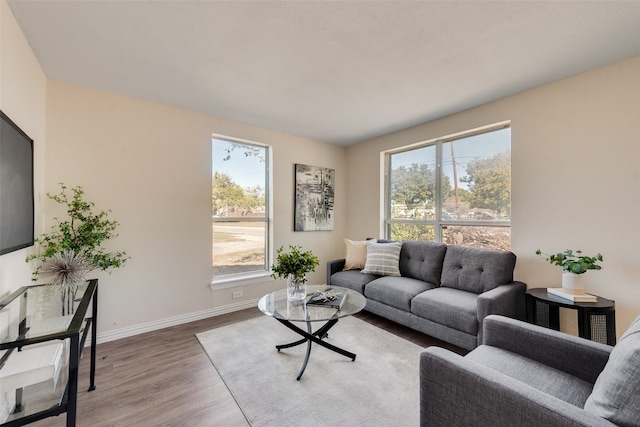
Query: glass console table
pixel 37 369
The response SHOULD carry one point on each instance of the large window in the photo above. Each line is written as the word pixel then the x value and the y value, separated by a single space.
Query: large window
pixel 240 209
pixel 455 190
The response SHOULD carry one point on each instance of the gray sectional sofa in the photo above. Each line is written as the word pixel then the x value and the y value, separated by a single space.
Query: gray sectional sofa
pixel 442 290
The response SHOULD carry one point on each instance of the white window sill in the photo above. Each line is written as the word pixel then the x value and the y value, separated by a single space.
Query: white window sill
pixel 238 281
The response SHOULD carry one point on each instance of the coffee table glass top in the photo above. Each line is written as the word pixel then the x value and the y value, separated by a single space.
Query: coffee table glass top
pixel 278 306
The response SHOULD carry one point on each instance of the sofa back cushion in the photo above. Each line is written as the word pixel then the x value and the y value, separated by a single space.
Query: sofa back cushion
pixel 616 393
pixel 422 260
pixel 477 270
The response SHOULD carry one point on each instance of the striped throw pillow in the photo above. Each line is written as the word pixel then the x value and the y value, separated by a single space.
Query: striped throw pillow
pixel 383 259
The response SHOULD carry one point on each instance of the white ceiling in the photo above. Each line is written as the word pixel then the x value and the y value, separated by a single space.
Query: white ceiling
pixel 336 71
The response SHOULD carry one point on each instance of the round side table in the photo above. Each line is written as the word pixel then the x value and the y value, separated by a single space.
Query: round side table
pixel 596 320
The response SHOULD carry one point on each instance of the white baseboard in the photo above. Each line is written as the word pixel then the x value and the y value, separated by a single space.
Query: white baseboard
pixel 171 321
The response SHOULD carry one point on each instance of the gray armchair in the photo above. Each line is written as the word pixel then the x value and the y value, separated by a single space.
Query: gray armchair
pixel 526 375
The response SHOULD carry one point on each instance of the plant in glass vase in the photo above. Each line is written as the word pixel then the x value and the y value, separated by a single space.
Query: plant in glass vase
pixel 294 265
pixel 73 247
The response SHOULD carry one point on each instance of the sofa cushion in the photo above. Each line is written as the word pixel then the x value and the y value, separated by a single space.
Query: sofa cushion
pixel 422 260
pixel 449 307
pixel 616 393
pixel 476 270
pixel 352 279
pixel 535 374
pixel 396 292
pixel 356 254
pixel 383 259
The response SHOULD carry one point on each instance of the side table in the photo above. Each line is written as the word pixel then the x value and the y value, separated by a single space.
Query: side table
pixel 596 320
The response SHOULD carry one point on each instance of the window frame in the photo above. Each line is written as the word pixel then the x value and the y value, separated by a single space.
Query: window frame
pixel 248 278
pixel 437 223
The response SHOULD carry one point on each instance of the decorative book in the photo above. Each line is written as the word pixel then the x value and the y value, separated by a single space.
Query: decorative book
pixel 328 298
pixel 33 364
pixel 575 296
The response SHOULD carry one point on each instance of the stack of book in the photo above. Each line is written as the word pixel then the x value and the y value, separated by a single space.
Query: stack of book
pixel 572 295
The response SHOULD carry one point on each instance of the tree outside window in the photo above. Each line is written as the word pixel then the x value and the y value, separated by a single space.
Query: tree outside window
pixel 239 197
pixel 456 191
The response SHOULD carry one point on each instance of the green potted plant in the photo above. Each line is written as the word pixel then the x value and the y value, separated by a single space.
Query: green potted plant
pixel 294 265
pixel 573 264
pixel 73 247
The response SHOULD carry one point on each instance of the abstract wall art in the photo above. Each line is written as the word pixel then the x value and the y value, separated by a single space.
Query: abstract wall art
pixel 314 198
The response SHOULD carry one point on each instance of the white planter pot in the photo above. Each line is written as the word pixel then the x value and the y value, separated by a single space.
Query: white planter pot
pixel 573 282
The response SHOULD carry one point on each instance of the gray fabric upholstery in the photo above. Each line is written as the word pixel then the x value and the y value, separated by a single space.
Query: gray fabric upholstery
pixel 457 392
pixel 549 380
pixel 451 307
pixel 476 270
pixel 616 394
pixel 582 358
pixel 422 260
pixel 517 377
pixel 352 279
pixel 453 313
pixel 396 291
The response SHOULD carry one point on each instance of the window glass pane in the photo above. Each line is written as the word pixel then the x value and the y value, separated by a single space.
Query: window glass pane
pixel 412 182
pixel 239 207
pixel 478 237
pixel 238 247
pixel 477 177
pixel 456 191
pixel 412 232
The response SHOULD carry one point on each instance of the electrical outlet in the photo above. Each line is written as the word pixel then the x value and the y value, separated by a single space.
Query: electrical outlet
pixel 236 294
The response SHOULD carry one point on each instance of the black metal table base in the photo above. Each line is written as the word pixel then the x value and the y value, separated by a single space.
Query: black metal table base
pixel 311 337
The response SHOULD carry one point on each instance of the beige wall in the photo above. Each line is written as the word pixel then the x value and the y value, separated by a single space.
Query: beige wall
pixel 151 164
pixel 575 151
pixel 574 147
pixel 22 98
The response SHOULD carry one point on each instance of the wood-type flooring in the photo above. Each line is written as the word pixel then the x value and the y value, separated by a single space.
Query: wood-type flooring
pixel 164 378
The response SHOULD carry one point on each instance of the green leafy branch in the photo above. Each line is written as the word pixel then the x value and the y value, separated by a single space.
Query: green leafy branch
pixel 573 262
pixel 84 232
pixel 294 262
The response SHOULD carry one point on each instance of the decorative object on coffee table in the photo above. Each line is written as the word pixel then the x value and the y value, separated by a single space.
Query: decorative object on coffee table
pixel 575 265
pixel 294 265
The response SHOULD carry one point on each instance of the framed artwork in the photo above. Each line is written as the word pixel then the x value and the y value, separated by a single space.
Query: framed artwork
pixel 314 198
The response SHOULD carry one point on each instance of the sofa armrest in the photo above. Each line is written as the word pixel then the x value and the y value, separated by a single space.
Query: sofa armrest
pixel 455 391
pixel 580 357
pixel 333 267
pixel 507 300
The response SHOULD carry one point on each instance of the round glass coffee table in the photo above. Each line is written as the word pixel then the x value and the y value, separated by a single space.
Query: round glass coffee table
pixel 280 308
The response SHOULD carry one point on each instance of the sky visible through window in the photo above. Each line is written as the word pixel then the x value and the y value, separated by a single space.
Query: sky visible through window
pixel 482 146
pixel 246 171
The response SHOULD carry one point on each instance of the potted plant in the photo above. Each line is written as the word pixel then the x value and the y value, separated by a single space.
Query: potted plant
pixel 573 264
pixel 294 265
pixel 73 247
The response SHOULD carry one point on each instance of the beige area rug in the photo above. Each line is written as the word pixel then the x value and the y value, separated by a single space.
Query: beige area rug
pixel 379 388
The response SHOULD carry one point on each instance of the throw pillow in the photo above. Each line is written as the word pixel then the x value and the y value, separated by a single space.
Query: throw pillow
pixel 356 253
pixel 383 259
pixel 615 394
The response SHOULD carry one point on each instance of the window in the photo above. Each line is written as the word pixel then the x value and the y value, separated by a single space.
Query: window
pixel 240 209
pixel 455 190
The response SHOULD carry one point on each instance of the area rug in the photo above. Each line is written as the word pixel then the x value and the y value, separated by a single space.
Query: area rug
pixel 379 388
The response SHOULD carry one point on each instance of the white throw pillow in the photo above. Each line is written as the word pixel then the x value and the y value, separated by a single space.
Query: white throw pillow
pixel 356 253
pixel 383 259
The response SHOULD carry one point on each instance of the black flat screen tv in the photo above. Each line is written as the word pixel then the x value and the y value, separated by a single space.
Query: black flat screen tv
pixel 16 187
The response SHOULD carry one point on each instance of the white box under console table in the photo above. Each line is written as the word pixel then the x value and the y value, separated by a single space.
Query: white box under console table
pixel 42 335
